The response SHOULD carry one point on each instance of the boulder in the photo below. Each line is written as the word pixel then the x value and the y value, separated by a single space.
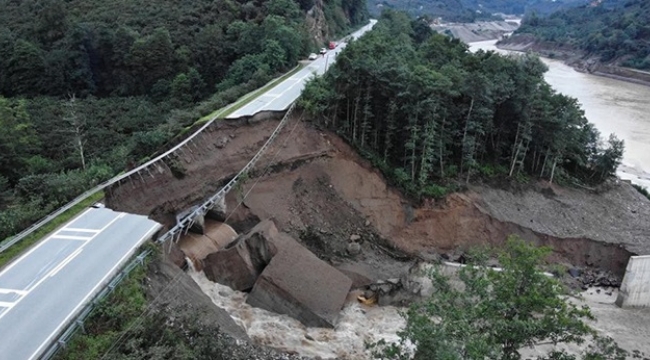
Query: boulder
pixel 198 226
pixel 354 249
pixel 297 283
pixel 239 264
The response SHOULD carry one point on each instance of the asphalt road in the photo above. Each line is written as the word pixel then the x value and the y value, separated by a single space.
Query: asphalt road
pixel 42 290
pixel 281 96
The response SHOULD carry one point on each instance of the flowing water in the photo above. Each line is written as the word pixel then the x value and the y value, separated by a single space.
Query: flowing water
pixel 614 106
pixel 357 326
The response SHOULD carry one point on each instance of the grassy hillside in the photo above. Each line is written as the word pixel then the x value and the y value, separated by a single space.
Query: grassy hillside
pixel 88 88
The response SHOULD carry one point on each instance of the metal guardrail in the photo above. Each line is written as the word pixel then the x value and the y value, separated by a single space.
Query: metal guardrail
pixel 77 324
pixel 23 234
pixel 186 223
pixel 181 226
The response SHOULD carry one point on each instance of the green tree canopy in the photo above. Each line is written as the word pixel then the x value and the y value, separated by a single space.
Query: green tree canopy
pixel 494 314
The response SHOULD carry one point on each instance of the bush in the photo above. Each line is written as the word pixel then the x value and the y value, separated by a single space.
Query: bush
pixel 435 191
pixel 493 314
pixel 643 190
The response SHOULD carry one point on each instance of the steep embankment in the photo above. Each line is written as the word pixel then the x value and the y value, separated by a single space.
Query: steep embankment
pixel 311 179
pixel 576 58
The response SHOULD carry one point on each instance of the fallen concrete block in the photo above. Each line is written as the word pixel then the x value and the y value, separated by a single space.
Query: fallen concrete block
pixel 299 284
pixel 239 264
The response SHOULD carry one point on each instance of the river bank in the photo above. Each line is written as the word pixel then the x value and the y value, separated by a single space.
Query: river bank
pixel 578 60
pixel 613 106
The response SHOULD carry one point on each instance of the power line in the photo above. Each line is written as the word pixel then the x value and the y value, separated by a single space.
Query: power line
pixel 125 335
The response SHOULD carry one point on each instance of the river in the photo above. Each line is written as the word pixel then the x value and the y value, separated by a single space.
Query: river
pixel 613 106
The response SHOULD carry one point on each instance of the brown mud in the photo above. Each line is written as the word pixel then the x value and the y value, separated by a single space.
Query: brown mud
pixel 319 190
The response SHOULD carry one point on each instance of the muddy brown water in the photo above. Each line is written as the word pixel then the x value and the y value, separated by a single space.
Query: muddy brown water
pixel 614 106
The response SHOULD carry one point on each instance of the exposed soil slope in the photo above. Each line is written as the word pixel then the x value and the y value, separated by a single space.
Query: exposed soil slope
pixel 319 190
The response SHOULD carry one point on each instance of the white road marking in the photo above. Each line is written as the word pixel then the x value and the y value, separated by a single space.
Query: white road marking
pixel 61 265
pixel 69 258
pixel 35 248
pixel 71 237
pixel 298 81
pixel 80 230
pixel 9 291
pixel 94 290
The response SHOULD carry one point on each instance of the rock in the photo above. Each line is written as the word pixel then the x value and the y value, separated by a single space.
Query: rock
pixel 354 248
pixel 239 264
pixel 355 237
pixel 217 214
pixel 198 226
pixel 221 142
pixel 308 337
pixel 175 254
pixel 575 272
pixel 398 292
pixel 358 280
pixel 367 223
pixel 299 284
pixel 369 294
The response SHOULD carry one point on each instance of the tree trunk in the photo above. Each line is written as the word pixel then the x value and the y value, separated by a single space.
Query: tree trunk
pixel 81 149
pixel 515 151
pixel 541 174
pixel 469 114
pixel 553 170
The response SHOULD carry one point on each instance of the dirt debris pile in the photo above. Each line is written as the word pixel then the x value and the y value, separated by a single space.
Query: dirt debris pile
pixel 318 190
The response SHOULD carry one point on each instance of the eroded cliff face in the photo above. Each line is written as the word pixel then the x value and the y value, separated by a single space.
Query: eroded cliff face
pixel 312 182
pixel 317 23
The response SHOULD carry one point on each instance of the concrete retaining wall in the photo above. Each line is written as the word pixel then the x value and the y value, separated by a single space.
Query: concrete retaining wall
pixel 635 289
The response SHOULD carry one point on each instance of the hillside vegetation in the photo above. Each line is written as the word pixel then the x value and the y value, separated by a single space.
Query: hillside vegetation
pixel 88 88
pixel 425 110
pixel 616 30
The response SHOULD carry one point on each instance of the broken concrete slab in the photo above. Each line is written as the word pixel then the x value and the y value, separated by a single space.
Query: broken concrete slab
pixel 197 247
pixel 297 283
pixel 239 264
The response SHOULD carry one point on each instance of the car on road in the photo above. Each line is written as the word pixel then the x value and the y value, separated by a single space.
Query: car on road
pixel 323 51
pixel 313 56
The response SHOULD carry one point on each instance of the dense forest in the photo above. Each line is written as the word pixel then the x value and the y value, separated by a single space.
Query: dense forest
pixel 470 10
pixel 427 112
pixel 88 88
pixel 615 30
